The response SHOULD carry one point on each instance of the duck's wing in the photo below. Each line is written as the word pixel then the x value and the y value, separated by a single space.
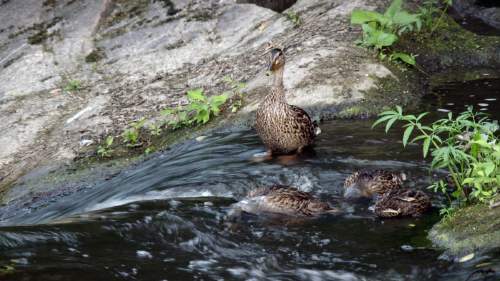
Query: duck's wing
pixel 293 201
pixel 303 122
pixel 261 191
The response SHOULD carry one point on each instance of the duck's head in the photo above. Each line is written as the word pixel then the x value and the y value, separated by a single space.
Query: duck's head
pixel 277 60
pixel 367 184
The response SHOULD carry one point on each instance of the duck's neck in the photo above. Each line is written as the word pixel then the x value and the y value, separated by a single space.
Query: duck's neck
pixel 278 77
pixel 278 90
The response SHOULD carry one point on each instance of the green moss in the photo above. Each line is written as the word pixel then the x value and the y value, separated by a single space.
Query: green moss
pixel 469 229
pixel 49 3
pixel 451 46
pixel 94 56
pixel 38 38
pixel 387 93
pixel 41 31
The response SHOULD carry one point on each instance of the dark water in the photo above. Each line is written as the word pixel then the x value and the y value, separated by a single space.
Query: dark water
pixel 169 217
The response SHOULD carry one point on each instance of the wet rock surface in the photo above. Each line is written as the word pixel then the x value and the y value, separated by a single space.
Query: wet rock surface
pixel 487 11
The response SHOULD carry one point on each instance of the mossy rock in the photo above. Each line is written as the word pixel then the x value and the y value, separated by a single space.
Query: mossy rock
pixel 451 46
pixel 471 229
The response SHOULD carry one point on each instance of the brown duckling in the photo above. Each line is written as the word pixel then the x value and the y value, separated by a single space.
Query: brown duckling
pixel 371 183
pixel 283 128
pixel 402 203
pixel 285 200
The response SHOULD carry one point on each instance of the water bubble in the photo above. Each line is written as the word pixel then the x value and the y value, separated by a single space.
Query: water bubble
pixel 144 254
pixel 21 261
pixel 407 248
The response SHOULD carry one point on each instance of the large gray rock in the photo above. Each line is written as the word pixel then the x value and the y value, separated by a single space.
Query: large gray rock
pixel 134 58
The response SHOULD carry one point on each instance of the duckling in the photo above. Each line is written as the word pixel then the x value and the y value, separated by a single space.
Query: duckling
pixel 370 183
pixel 283 128
pixel 402 203
pixel 284 200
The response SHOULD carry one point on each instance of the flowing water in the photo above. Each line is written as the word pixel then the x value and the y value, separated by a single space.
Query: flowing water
pixel 170 217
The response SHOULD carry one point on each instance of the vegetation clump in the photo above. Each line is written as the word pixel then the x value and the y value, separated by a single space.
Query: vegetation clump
pixel 466 146
pixel 382 31
pixel 73 85
pixel 105 150
pixel 294 18
pixel 94 56
pixel 199 110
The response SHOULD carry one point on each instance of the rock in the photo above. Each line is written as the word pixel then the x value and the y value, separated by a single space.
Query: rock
pixel 472 229
pixel 487 11
pixel 78 70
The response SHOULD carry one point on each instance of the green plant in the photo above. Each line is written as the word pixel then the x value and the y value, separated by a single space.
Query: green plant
pixel 72 86
pixel 131 135
pixel 105 150
pixel 199 110
pixel 294 18
pixel 381 31
pixel 154 129
pixel 447 4
pixel 237 94
pixel 428 11
pixel 466 146
pixel 406 58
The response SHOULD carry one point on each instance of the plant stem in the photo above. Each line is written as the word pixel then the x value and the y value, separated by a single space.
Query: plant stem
pixel 439 20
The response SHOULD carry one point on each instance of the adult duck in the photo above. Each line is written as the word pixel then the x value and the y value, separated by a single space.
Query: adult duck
pixel 284 200
pixel 370 183
pixel 402 203
pixel 283 128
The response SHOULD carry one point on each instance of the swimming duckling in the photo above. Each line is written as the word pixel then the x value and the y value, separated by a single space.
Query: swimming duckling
pixel 370 183
pixel 283 128
pixel 285 200
pixel 402 203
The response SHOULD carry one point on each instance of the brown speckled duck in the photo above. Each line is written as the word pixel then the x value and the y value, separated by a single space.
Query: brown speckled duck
pixel 402 203
pixel 391 200
pixel 370 183
pixel 285 200
pixel 283 128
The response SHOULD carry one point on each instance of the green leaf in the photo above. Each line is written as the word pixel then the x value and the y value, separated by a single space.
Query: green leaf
pixel 393 9
pixel 389 112
pixel 218 100
pixel 426 145
pixel 399 109
pixel 389 123
pixel 409 59
pixel 418 138
pixel 403 18
pixel 196 95
pixel 109 141
pixel 406 134
pixel 167 111
pixel 364 16
pixel 381 119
